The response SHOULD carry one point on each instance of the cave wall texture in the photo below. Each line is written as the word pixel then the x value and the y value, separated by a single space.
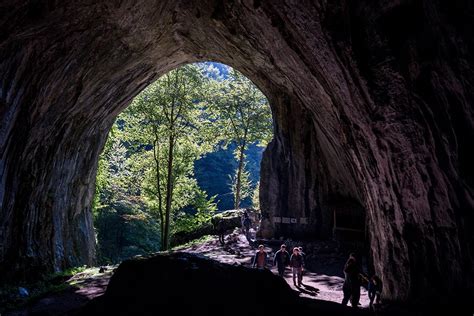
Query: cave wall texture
pixel 371 101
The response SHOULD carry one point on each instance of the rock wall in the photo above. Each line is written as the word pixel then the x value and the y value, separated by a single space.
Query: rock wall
pixel 371 102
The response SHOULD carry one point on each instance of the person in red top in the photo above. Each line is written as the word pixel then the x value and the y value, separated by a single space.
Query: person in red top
pixel 260 258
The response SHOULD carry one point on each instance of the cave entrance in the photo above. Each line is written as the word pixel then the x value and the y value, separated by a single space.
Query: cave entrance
pixel 202 126
pixel 311 97
pixel 362 108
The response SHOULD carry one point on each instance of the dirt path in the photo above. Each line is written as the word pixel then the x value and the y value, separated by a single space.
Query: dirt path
pixel 316 284
pixel 322 284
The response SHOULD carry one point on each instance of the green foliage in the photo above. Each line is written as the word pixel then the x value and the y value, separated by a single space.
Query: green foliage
pixel 191 243
pixel 213 170
pixel 169 117
pixel 240 111
pixel 245 182
pixel 125 229
pixel 256 197
pixel 146 189
pixel 202 211
pixel 52 283
pixel 242 116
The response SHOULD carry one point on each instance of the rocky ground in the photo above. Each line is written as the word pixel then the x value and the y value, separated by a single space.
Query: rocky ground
pixel 80 289
pixel 322 281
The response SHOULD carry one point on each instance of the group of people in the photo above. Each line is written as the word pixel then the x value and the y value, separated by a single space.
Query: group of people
pixel 353 276
pixel 283 259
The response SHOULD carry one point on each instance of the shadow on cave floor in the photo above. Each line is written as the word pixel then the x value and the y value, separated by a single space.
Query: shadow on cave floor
pixel 323 280
pixel 319 292
pixel 82 289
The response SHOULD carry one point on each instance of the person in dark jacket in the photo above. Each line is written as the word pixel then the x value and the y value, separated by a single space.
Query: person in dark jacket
pixel 351 287
pixel 219 228
pixel 260 258
pixel 281 260
pixel 246 224
pixel 303 254
pixel 297 265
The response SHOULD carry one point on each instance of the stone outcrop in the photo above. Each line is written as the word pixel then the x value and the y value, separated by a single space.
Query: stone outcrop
pixel 228 221
pixel 187 284
pixel 372 102
pixel 231 219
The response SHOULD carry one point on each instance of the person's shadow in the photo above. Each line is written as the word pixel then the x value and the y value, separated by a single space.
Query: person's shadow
pixel 307 289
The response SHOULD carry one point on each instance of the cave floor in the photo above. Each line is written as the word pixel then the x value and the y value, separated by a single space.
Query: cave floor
pixel 81 288
pixel 323 281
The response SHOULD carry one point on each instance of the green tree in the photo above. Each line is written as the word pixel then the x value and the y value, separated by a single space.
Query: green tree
pixel 240 182
pixel 242 116
pixel 169 117
pixel 123 224
pixel 256 197
pixel 146 189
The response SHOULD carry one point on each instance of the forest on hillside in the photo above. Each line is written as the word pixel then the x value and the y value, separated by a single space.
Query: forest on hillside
pixel 212 173
pixel 188 146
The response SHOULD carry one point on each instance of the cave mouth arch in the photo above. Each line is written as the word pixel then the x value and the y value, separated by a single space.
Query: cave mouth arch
pixel 221 117
pixel 353 116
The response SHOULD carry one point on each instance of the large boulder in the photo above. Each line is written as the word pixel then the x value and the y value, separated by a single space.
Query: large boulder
pixel 231 219
pixel 182 237
pixel 185 284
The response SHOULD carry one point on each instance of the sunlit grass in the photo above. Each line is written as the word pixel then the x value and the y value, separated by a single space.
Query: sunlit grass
pixel 10 297
pixel 194 242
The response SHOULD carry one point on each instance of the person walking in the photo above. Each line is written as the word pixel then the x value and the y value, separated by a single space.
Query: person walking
pixel 260 258
pixel 374 289
pixel 219 229
pixel 301 252
pixel 281 260
pixel 297 265
pixel 303 255
pixel 246 224
pixel 351 287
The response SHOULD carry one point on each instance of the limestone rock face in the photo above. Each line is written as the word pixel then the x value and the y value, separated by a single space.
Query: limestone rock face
pixel 371 102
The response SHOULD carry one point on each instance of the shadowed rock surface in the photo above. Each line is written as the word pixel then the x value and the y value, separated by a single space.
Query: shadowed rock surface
pixel 372 102
pixel 186 284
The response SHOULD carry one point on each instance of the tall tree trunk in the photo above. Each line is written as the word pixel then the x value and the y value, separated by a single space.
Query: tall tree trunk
pixel 156 151
pixel 169 192
pixel 239 176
